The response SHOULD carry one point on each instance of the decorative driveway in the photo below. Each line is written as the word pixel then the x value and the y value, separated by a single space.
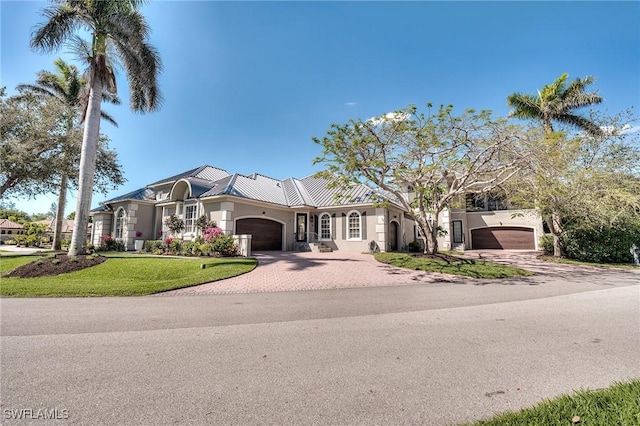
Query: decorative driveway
pixel 295 271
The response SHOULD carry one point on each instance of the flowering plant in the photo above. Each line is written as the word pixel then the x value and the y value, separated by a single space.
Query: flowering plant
pixel 138 234
pixel 210 234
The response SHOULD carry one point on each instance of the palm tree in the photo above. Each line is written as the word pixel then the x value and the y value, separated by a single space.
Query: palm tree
pixel 119 33
pixel 557 102
pixel 70 89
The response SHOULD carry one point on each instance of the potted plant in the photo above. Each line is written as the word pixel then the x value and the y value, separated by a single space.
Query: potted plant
pixel 138 243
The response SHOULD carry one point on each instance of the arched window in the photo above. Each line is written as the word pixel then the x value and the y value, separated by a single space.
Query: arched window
pixel 119 225
pixel 325 226
pixel 354 226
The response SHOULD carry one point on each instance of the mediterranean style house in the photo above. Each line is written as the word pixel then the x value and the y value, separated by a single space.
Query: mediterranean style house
pixel 301 215
pixel 9 229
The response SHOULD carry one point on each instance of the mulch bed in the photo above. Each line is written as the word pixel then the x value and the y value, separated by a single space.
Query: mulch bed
pixel 59 264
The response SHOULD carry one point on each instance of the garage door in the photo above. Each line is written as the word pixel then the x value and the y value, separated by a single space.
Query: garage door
pixel 503 237
pixel 265 234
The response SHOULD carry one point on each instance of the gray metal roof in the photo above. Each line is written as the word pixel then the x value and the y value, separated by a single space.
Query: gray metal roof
pixel 323 196
pixel 207 181
pixel 203 172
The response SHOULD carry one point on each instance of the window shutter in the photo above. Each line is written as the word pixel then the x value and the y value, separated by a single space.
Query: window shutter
pixel 363 225
pixel 334 232
pixel 344 226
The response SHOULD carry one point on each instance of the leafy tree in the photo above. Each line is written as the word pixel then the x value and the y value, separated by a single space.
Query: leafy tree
pixel 425 162
pixel 175 224
pixel 31 139
pixel 557 102
pixel 14 215
pixel 119 33
pixel 35 146
pixel 71 215
pixel 203 222
pixel 70 89
pixel 41 216
pixel 593 180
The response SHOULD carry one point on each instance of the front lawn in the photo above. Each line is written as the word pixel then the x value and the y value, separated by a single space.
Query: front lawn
pixel 122 275
pixel 618 404
pixel 447 264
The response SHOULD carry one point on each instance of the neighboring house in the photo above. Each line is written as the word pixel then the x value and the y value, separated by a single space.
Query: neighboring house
pixel 9 229
pixel 67 228
pixel 291 214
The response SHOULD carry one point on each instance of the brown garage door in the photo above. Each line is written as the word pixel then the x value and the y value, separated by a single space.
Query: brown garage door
pixel 265 234
pixel 503 237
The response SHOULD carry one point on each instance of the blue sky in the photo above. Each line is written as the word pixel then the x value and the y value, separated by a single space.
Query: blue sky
pixel 246 85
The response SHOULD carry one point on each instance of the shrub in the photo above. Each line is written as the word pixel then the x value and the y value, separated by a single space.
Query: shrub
pixel 174 246
pixel 203 223
pixel 175 224
pixel 211 233
pixel 151 246
pixel 110 244
pixel 601 245
pixel 224 246
pixel 546 243
pixel 414 247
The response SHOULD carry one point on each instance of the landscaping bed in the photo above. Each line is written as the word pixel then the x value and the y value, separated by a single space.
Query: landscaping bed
pixel 55 265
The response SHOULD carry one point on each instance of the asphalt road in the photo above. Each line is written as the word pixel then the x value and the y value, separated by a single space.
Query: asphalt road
pixel 437 354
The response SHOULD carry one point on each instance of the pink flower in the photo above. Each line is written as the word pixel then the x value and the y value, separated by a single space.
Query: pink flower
pixel 210 234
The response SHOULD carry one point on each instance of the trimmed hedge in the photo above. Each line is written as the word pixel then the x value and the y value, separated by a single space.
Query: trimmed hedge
pixel 604 245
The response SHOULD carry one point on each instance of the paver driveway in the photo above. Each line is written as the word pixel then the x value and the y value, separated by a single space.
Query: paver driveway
pixel 293 271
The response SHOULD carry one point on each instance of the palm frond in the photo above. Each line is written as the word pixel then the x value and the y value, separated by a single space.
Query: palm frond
pixel 61 22
pixel 524 106
pixel 581 123
pixel 108 118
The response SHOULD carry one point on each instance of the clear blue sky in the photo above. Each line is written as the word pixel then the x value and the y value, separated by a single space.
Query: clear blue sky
pixel 246 85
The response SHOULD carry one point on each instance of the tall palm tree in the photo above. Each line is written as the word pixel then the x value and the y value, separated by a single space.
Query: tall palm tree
pixel 70 89
pixel 119 33
pixel 557 102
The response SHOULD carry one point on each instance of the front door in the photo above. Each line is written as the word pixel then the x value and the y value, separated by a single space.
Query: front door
pixel 301 227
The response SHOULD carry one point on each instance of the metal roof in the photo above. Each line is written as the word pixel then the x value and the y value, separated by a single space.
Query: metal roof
pixel 207 181
pixel 203 172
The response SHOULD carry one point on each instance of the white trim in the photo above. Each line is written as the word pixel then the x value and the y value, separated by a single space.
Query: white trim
pixel 195 217
pixel 115 223
pixel 320 238
pixel 255 216
pixel 359 238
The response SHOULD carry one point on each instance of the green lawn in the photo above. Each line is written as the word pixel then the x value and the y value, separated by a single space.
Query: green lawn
pixel 618 404
pixel 459 266
pixel 122 275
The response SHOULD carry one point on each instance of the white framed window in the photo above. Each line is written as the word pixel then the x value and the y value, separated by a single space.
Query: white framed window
pixel 119 225
pixel 325 226
pixel 354 226
pixel 190 218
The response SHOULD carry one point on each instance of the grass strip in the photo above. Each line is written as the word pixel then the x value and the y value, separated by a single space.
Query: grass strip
pixel 452 265
pixel 619 404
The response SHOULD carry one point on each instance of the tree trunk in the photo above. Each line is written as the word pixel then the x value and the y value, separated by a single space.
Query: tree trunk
pixel 555 226
pixel 62 200
pixel 432 242
pixel 87 169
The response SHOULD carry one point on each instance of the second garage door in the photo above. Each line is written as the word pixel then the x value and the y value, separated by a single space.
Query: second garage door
pixel 265 234
pixel 503 237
